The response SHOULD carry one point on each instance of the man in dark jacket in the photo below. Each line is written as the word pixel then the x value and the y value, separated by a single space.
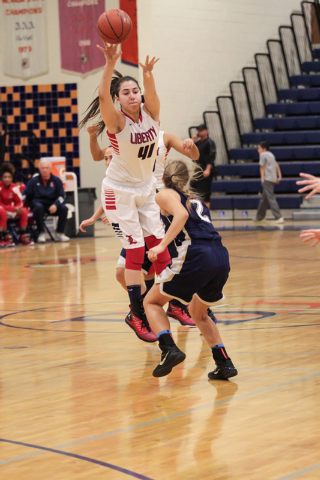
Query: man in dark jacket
pixel 207 150
pixel 45 195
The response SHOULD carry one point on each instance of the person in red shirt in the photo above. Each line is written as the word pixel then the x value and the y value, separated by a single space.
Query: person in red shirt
pixel 11 205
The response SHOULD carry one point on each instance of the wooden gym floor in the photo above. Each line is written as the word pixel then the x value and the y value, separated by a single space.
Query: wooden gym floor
pixel 78 400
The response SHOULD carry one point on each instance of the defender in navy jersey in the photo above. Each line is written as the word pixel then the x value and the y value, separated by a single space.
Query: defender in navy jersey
pixel 198 272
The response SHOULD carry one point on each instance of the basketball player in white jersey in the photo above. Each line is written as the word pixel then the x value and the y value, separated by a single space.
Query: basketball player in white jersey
pixel 128 190
pixel 176 309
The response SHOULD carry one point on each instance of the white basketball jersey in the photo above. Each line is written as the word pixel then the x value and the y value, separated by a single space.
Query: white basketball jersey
pixel 162 154
pixel 134 151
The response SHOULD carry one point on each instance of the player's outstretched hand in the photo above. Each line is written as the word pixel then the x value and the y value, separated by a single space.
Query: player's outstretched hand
pixel 85 223
pixel 154 252
pixel 110 52
pixel 308 235
pixel 187 144
pixel 149 64
pixel 312 183
pixel 93 129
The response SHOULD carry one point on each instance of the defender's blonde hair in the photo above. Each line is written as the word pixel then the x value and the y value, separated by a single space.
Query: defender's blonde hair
pixel 178 174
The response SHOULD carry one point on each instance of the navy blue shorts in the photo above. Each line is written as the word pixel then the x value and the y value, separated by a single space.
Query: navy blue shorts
pixel 145 266
pixel 200 269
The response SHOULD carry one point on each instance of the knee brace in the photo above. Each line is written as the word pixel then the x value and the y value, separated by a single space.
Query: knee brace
pixel 163 258
pixel 134 258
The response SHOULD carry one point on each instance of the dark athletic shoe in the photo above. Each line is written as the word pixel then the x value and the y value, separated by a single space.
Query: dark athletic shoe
pixel 169 359
pixel 223 371
pixel 141 327
pixel 211 315
pixel 181 314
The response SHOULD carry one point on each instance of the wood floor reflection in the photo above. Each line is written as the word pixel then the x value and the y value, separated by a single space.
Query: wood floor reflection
pixel 77 395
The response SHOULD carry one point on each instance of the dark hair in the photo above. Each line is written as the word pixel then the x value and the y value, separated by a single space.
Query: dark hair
pixel 7 167
pixel 94 108
pixel 178 174
pixel 264 145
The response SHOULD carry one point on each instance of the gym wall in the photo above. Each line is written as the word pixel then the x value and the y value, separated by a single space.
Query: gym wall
pixel 202 46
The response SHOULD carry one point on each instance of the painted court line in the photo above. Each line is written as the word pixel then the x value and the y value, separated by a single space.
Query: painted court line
pixel 169 417
pixel 300 472
pixel 80 457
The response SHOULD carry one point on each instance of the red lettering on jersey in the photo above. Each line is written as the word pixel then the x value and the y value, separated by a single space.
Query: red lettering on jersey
pixel 144 137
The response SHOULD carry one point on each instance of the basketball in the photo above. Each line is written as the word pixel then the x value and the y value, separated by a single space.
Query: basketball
pixel 114 26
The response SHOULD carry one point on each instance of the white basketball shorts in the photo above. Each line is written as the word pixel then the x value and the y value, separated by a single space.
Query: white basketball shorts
pixel 132 212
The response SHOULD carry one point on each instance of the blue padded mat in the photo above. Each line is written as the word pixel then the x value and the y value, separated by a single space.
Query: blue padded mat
pixel 283 138
pixel 299 94
pixel 308 80
pixel 287 185
pixel 281 153
pixel 253 169
pixel 311 67
pixel 251 202
pixel 288 123
pixel 301 108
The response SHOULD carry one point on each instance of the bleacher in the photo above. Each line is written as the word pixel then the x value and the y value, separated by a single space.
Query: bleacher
pixel 278 100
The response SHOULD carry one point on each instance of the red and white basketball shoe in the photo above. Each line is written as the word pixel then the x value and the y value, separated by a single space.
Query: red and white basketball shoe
pixel 180 312
pixel 141 327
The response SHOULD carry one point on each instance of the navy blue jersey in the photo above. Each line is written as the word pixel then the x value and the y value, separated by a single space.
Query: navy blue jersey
pixel 197 227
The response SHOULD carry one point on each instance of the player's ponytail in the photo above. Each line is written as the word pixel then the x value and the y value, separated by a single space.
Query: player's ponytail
pixel 94 108
pixel 93 111
pixel 177 175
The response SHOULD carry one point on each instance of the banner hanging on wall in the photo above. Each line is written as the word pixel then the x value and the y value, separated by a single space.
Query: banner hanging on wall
pixel 24 38
pixel 130 47
pixel 79 35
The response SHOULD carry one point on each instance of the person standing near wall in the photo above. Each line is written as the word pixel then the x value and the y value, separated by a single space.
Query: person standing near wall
pixel 207 149
pixel 270 175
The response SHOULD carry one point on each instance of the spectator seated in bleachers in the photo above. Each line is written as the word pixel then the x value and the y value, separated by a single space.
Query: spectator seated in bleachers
pixel 11 206
pixel 45 195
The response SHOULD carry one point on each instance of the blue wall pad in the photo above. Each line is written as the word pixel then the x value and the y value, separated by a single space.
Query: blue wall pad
pixel 281 153
pixel 253 169
pixel 300 94
pixel 282 138
pixel 221 203
pixel 251 202
pixel 311 67
pixel 302 108
pixel 308 80
pixel 252 186
pixel 287 123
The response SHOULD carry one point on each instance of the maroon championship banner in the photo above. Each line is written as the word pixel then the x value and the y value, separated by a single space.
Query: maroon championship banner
pixel 79 35
pixel 130 47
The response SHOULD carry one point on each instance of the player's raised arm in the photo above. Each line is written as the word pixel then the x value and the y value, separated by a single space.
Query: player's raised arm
pixel 111 116
pixel 186 147
pixel 96 151
pixel 152 102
